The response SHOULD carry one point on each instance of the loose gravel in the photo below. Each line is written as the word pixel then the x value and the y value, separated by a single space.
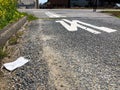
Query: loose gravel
pixel 35 74
pixel 62 60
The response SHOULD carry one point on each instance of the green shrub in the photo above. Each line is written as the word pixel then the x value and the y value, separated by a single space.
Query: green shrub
pixel 8 12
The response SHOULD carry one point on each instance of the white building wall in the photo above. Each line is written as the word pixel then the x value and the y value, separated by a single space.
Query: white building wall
pixel 27 3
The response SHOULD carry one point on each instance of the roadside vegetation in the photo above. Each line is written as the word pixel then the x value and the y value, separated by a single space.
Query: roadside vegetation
pixel 2 53
pixel 9 13
pixel 30 17
pixel 114 13
pixel 14 39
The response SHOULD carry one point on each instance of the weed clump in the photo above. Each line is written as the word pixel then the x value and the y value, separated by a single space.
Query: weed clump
pixel 2 53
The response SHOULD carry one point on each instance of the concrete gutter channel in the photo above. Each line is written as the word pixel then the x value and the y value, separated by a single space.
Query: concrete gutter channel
pixel 11 29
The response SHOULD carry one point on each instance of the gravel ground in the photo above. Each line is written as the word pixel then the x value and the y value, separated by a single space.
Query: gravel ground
pixel 62 60
pixel 35 74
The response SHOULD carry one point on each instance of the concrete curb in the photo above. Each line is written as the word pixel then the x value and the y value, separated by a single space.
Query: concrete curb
pixel 11 29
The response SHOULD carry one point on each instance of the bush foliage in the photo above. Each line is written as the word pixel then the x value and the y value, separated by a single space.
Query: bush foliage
pixel 8 12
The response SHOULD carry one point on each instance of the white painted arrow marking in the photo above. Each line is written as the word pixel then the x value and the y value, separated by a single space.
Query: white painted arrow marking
pixel 108 30
pixel 71 27
pixel 75 24
pixel 53 15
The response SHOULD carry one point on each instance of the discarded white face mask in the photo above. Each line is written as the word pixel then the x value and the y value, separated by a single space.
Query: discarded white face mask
pixel 18 63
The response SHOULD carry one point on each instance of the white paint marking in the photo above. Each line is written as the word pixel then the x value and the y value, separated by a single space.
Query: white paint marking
pixel 53 15
pixel 108 30
pixel 74 24
pixel 71 27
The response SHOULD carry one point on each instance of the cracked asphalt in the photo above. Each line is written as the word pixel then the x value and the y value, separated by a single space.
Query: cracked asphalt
pixel 63 60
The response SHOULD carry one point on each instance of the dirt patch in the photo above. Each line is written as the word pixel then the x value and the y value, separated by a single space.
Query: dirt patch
pixel 13 52
pixel 56 74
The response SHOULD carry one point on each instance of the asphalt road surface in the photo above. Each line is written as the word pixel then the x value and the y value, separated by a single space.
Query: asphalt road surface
pixel 70 50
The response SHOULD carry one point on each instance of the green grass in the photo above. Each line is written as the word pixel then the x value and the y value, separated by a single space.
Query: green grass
pixel 29 16
pixel 13 40
pixel 2 53
pixel 19 34
pixel 114 13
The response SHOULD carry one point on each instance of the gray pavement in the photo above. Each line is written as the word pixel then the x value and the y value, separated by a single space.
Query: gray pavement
pixel 64 60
